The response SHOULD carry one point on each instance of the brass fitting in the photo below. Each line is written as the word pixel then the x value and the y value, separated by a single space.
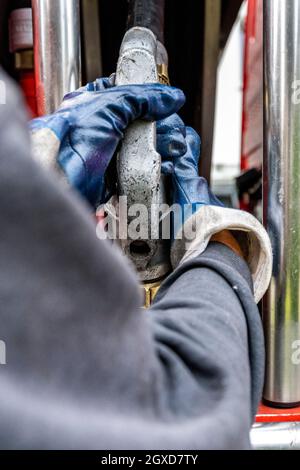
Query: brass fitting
pixel 163 74
pixel 150 290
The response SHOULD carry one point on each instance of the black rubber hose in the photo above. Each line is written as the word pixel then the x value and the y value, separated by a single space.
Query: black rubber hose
pixel 149 14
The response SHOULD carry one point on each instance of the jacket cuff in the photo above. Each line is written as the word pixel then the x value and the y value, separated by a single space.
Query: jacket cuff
pixel 200 227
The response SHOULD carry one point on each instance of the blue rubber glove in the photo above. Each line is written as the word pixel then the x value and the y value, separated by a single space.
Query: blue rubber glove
pixel 171 132
pixel 202 215
pixel 171 141
pixel 190 191
pixel 91 123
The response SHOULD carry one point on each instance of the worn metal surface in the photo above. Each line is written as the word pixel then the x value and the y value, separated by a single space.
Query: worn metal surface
pixel 282 199
pixel 139 165
pixel 276 436
pixel 57 51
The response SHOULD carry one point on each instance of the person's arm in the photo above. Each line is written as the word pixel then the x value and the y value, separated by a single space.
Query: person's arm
pixel 209 340
pixel 207 326
pixel 85 367
pixel 80 355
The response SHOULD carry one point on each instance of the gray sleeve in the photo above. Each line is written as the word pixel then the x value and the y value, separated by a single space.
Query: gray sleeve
pixel 86 366
pixel 209 339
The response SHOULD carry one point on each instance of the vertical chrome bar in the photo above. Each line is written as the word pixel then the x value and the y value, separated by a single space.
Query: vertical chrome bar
pixel 282 199
pixel 57 51
pixel 276 436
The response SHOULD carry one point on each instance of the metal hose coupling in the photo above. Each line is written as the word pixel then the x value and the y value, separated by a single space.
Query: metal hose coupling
pixel 139 164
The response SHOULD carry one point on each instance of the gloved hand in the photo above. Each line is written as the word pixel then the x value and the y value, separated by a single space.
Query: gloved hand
pixel 190 191
pixel 171 131
pixel 201 217
pixel 91 122
pixel 171 141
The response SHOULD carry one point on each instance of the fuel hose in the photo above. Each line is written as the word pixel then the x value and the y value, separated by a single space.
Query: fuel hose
pixel 148 14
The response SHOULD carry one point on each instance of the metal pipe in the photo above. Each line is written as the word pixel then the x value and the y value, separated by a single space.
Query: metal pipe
pixel 276 436
pixel 281 313
pixel 57 51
